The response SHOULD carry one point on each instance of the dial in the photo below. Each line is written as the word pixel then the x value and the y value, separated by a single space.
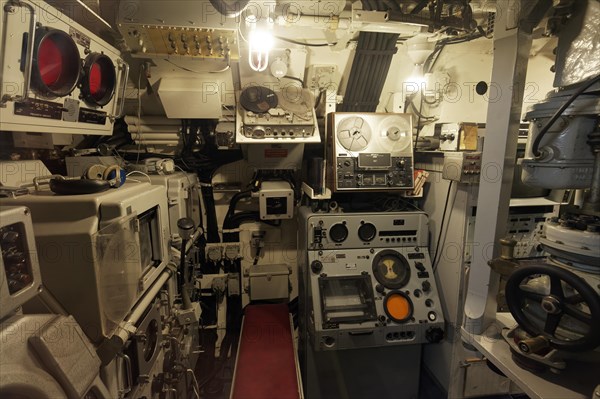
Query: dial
pixel 354 134
pixel 338 232
pixel 391 269
pixel 367 231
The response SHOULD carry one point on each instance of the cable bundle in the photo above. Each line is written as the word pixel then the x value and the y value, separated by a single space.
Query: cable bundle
pixel 370 67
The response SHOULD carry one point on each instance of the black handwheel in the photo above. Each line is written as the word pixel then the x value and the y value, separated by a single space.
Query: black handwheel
pixel 560 302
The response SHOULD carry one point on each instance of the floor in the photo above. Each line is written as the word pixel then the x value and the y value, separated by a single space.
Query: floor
pixel 428 389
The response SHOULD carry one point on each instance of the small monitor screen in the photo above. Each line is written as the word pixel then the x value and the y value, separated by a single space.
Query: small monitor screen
pixel 149 238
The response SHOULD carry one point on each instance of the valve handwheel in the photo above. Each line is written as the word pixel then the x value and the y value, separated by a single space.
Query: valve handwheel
pixel 555 306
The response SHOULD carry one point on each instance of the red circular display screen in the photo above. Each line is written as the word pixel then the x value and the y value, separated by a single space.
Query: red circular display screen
pixel 56 63
pixel 100 79
pixel 95 78
pixel 50 62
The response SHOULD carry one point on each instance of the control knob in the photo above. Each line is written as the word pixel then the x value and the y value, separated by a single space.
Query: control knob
pixel 420 266
pixel 316 266
pixel 426 285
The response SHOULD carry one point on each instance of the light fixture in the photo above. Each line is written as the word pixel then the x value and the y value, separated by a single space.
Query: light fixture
pixel 418 50
pixel 260 43
pixel 279 68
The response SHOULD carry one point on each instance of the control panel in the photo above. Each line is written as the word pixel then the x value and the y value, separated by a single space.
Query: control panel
pixel 463 167
pixel 20 270
pixel 348 230
pixel 58 77
pixel 370 281
pixel 394 172
pixel 277 122
pixel 370 151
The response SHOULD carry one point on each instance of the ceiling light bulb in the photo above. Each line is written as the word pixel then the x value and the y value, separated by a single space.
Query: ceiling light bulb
pixel 259 43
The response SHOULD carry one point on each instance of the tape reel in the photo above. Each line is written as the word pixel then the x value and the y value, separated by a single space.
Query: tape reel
pixel 354 133
pixel 396 134
pixel 258 99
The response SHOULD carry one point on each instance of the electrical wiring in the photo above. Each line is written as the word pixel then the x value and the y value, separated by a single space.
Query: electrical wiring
pixel 419 114
pixel 224 69
pixel 428 67
pixel 444 223
pixel 201 219
pixel 137 172
pixel 139 114
pixel 294 78
pixel 195 381
pixel 285 39
pixel 240 30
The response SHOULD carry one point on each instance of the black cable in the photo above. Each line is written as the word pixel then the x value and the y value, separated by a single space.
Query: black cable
pixel 212 227
pixel 285 39
pixel 418 132
pixel 237 197
pixel 256 256
pixel 428 67
pixel 437 246
pixel 558 113
pixel 294 78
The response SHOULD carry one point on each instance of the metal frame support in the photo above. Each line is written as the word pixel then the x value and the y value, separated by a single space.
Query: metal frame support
pixel 512 44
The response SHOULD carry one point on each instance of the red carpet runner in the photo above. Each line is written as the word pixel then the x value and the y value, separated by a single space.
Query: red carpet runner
pixel 266 367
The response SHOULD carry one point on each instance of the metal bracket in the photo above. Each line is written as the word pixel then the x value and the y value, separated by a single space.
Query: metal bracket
pixel 30 42
pixel 124 75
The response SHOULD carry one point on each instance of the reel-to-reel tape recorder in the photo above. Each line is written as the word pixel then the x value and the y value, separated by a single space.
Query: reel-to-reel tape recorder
pixel 265 115
pixel 370 151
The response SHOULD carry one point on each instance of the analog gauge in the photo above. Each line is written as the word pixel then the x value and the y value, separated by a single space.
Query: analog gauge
pixel 391 269
pixel 354 134
pixel 338 232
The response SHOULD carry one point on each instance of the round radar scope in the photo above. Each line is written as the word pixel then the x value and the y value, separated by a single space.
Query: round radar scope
pixel 56 63
pixel 99 79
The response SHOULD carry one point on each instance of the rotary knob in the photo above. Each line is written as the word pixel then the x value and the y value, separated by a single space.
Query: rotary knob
pixel 338 232
pixel 367 231
pixel 426 285
pixel 316 266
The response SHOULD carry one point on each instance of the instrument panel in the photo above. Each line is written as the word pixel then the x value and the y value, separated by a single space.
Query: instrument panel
pixel 370 151
pixel 57 76
pixel 267 116
pixel 369 280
